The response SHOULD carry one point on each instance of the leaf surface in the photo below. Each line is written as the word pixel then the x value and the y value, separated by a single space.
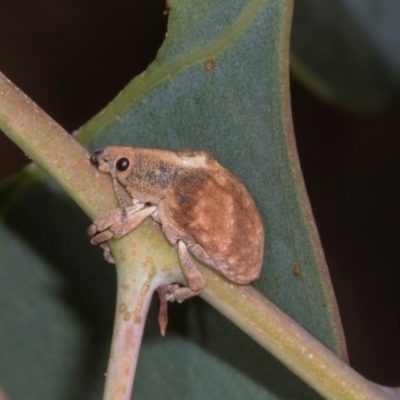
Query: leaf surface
pixel 346 51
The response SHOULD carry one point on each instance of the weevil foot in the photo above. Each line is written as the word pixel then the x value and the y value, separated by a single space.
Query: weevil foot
pixel 107 253
pixel 179 293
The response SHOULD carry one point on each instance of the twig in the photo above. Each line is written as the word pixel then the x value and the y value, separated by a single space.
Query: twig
pixel 289 342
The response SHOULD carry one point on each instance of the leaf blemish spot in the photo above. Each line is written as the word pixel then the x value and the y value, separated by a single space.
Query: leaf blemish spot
pixel 296 271
pixel 209 65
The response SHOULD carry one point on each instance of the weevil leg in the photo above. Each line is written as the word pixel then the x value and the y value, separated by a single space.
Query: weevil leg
pixel 179 293
pixel 101 237
pixel 118 228
pixel 111 217
pixel 156 217
pixel 110 225
pixel 193 276
pixel 121 229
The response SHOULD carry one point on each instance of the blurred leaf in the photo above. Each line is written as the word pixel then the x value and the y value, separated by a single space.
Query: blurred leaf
pixel 56 298
pixel 348 51
pixel 219 83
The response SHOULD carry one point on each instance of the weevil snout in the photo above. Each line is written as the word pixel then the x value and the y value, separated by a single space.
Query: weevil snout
pixel 94 160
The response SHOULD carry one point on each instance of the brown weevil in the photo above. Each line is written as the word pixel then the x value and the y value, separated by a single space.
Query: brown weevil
pixel 201 207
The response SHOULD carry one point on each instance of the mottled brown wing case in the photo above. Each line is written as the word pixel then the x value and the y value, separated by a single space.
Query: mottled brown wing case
pixel 216 211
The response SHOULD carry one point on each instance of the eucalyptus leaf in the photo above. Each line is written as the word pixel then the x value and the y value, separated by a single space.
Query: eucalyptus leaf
pixel 219 83
pixel 348 51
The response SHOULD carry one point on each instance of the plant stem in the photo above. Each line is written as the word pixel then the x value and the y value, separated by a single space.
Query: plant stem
pixel 289 342
pixel 53 149
pixel 133 300
pixel 142 265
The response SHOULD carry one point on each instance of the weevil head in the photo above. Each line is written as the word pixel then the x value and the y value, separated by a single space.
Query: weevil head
pixel 115 160
pixel 118 162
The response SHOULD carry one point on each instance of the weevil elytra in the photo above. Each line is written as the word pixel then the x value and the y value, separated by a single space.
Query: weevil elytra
pixel 201 207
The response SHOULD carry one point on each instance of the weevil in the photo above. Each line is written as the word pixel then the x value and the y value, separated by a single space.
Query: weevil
pixel 202 208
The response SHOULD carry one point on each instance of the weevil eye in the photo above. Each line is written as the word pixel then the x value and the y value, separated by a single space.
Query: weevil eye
pixel 122 164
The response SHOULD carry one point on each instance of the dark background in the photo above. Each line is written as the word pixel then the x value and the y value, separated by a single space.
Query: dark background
pixel 72 57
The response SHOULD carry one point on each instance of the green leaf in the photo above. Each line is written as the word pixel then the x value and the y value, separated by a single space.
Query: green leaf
pixel 219 83
pixel 348 52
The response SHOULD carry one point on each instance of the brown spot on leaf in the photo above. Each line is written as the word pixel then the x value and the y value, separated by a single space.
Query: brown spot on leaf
pixel 296 271
pixel 209 65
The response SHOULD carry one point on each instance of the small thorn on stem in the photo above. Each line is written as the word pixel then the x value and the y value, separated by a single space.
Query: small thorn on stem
pixel 163 313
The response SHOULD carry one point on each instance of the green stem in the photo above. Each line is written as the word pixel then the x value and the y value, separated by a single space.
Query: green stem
pixel 289 342
pixel 142 265
pixel 133 301
pixel 53 149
